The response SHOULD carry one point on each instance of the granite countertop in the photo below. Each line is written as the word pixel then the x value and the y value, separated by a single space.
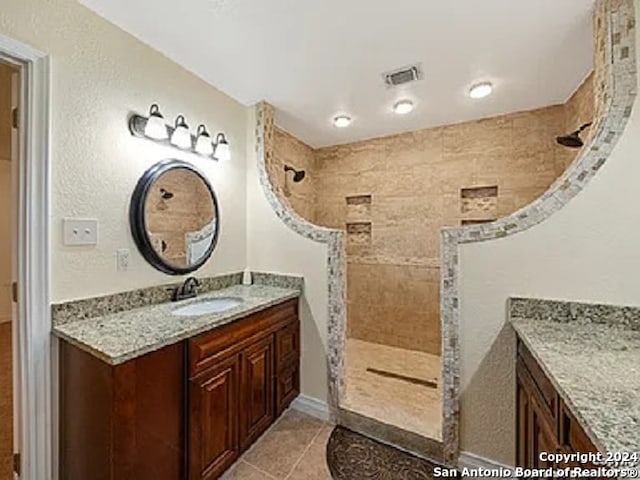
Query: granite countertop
pixel 595 365
pixel 118 337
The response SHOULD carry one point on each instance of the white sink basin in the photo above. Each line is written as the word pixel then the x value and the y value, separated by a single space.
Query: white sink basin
pixel 212 305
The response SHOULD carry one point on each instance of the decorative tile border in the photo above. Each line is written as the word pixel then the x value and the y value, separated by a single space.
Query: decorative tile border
pixel 264 131
pixel 616 84
pixel 86 308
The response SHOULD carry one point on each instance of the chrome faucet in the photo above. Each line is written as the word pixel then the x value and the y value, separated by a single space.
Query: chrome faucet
pixel 188 289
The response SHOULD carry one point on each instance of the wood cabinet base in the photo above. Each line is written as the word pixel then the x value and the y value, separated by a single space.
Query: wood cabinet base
pixel 544 421
pixel 186 411
pixel 124 422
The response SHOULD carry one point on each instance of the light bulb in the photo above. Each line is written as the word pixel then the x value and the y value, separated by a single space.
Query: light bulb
pixel 203 141
pixel 181 137
pixel 481 90
pixel 155 127
pixel 342 121
pixel 403 107
pixel 222 151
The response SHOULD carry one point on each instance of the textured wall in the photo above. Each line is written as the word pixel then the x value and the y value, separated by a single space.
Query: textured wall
pixel 99 75
pixel 587 251
pixel 5 193
pixel 291 151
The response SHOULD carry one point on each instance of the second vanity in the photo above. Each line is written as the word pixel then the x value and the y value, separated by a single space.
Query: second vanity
pixel 168 392
pixel 578 388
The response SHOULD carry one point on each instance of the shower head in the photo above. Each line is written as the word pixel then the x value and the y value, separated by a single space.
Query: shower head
pixel 573 140
pixel 298 175
pixel 165 194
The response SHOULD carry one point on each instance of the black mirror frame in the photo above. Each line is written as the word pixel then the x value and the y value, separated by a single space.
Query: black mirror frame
pixel 137 217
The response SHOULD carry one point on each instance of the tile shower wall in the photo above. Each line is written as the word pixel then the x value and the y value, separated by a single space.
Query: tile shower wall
pixel 420 182
pixel 291 151
pixel 393 194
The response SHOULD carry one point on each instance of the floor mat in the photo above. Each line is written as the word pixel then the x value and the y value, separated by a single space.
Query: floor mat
pixel 351 456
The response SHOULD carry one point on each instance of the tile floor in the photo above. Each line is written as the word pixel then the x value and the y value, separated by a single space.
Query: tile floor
pixel 410 406
pixel 6 403
pixel 294 448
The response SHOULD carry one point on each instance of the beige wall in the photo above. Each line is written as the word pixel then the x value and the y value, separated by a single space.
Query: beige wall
pixel 273 247
pixel 5 193
pixel 288 150
pixel 588 251
pixel 415 182
pixel 99 75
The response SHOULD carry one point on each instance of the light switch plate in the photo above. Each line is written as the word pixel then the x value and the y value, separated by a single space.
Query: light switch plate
pixel 80 231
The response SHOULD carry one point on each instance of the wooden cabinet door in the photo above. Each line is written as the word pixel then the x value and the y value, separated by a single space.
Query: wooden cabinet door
pixel 523 439
pixel 287 386
pixel 256 391
pixel 543 438
pixel 213 427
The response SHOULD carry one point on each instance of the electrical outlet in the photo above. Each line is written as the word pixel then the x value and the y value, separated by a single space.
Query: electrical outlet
pixel 79 231
pixel 122 259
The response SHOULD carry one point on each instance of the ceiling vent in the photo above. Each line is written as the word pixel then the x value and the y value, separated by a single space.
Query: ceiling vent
pixel 403 75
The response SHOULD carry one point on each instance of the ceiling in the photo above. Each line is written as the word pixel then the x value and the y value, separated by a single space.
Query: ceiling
pixel 314 59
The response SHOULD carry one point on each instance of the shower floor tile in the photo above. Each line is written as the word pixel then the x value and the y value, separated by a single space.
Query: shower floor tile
pixel 395 386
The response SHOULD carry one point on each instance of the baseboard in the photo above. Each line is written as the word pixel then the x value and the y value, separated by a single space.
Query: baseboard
pixel 311 406
pixel 475 462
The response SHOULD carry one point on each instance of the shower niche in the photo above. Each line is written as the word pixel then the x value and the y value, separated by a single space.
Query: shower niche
pixel 478 205
pixel 358 226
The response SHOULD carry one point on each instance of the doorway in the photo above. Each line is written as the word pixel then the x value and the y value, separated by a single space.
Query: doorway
pixel 9 82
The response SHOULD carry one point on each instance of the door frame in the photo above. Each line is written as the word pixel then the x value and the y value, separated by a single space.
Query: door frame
pixel 34 385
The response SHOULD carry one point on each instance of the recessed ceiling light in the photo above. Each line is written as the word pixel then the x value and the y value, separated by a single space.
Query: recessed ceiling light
pixel 481 90
pixel 403 107
pixel 342 121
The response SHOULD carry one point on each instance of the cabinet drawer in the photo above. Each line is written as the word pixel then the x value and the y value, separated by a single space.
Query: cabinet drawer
pixel 287 386
pixel 287 344
pixel 207 349
pixel 540 381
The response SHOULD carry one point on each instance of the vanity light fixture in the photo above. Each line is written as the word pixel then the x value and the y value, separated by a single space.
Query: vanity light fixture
pixel 155 127
pixel 342 121
pixel 181 137
pixel 481 90
pixel 203 141
pixel 222 151
pixel 403 107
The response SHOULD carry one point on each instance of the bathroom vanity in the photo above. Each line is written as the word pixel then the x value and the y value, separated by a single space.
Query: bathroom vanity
pixel 147 394
pixel 577 390
pixel 152 389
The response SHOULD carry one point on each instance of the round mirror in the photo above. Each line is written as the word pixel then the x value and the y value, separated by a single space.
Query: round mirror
pixel 174 217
